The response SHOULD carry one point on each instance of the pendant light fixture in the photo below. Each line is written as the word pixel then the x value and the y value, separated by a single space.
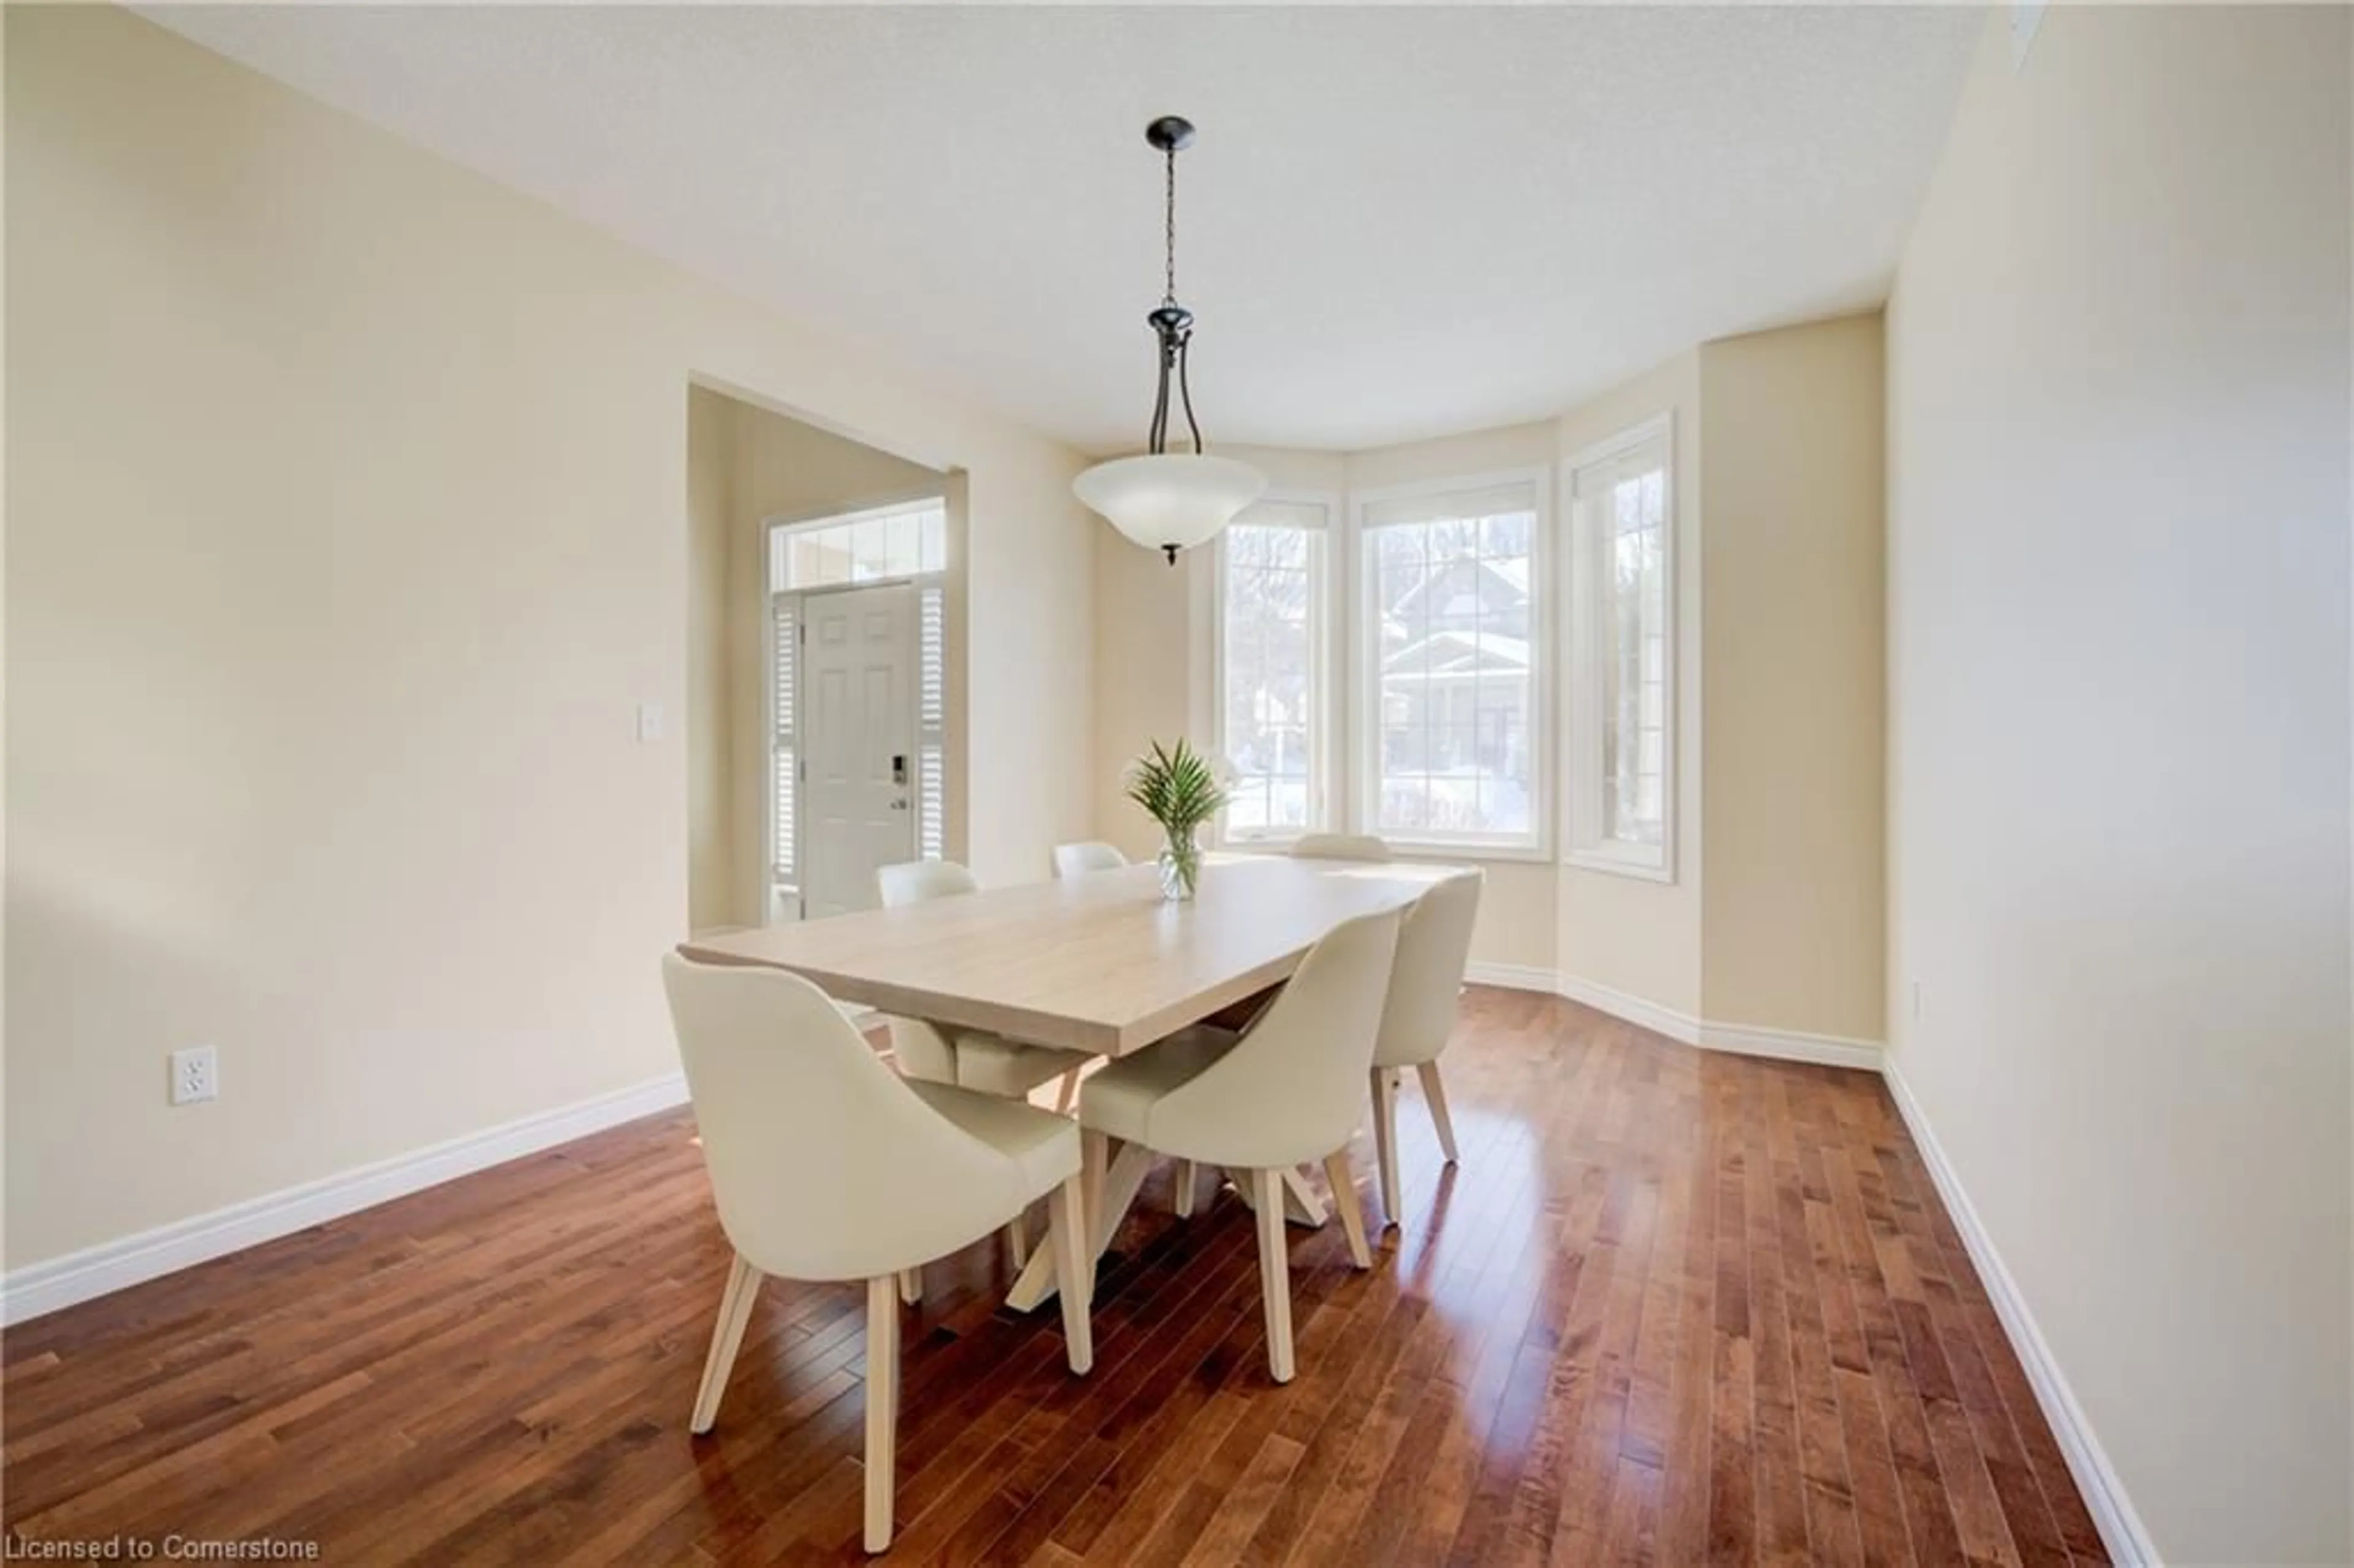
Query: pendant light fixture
pixel 1171 500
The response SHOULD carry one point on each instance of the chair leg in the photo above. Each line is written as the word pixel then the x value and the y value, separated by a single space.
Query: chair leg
pixel 1434 1095
pixel 1068 1094
pixel 1189 1182
pixel 726 1338
pixel 911 1286
pixel 1065 1216
pixel 1353 1213
pixel 1274 1271
pixel 1017 1241
pixel 882 1408
pixel 1385 1140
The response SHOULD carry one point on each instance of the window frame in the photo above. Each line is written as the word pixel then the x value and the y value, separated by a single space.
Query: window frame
pixel 1362 677
pixel 1586 847
pixel 818 521
pixel 1322 751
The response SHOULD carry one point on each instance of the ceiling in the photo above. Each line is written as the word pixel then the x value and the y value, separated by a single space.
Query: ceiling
pixel 1396 222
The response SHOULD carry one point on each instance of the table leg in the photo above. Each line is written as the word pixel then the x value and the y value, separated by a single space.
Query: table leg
pixel 1035 1284
pixel 1302 1205
pixel 1118 1196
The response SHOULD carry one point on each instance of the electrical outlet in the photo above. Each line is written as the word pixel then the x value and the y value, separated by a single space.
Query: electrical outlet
pixel 1916 1001
pixel 196 1074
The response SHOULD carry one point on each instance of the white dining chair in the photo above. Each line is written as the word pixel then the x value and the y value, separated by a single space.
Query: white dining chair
pixel 970 1059
pixel 825 1165
pixel 1076 860
pixel 1282 1093
pixel 1426 988
pixel 1339 846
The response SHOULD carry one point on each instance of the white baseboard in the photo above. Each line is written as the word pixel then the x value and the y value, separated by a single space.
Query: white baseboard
pixel 42 1287
pixel 1512 977
pixel 2113 1513
pixel 1744 1039
pixel 1782 1044
pixel 1681 1027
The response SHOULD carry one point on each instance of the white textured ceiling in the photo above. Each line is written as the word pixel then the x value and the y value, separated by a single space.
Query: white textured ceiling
pixel 1396 222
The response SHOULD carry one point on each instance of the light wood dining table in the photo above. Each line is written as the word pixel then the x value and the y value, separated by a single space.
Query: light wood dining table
pixel 1099 962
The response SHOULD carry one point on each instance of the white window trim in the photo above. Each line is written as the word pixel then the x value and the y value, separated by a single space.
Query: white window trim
pixel 1323 752
pixel 1360 679
pixel 1585 848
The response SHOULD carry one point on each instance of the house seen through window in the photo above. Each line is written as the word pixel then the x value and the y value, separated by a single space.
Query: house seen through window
pixel 1271 589
pixel 1453 688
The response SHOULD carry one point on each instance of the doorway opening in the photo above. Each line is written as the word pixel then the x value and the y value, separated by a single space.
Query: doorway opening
pixel 823 682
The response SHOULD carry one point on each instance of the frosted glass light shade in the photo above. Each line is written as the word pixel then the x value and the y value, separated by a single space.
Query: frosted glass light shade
pixel 1170 500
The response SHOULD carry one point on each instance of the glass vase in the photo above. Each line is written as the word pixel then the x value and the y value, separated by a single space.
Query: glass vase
pixel 1181 867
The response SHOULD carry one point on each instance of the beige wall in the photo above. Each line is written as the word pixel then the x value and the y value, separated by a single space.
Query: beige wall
pixel 348 527
pixel 1791 927
pixel 1150 665
pixel 711 872
pixel 2118 698
pixel 4 491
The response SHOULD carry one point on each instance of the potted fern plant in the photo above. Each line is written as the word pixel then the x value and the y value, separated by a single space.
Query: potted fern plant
pixel 1178 789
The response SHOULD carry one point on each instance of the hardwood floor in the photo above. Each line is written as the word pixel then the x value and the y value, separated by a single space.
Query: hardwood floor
pixel 1671 1308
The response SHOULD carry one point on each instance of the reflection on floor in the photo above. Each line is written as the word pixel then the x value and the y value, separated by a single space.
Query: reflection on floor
pixel 1672 1306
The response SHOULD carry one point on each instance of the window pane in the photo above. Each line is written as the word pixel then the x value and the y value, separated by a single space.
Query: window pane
pixel 900 550
pixel 1269 593
pixel 1631 643
pixel 1451 583
pixel 868 546
pixel 870 549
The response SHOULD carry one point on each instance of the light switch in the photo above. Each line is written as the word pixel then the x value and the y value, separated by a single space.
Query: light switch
pixel 650 723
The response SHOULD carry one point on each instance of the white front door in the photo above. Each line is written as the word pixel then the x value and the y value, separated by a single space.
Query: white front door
pixel 858 702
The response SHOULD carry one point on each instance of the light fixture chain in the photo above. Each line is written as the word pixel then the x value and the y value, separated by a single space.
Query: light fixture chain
pixel 1169 289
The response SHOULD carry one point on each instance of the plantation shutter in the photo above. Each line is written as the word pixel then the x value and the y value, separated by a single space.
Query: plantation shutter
pixel 932 722
pixel 785 639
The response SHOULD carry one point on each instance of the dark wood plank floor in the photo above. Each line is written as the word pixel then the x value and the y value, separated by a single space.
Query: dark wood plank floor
pixel 1673 1308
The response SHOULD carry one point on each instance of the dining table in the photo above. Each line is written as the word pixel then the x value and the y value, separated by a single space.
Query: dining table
pixel 1101 962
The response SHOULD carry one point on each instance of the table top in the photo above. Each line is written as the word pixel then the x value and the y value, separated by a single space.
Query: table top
pixel 1099 962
